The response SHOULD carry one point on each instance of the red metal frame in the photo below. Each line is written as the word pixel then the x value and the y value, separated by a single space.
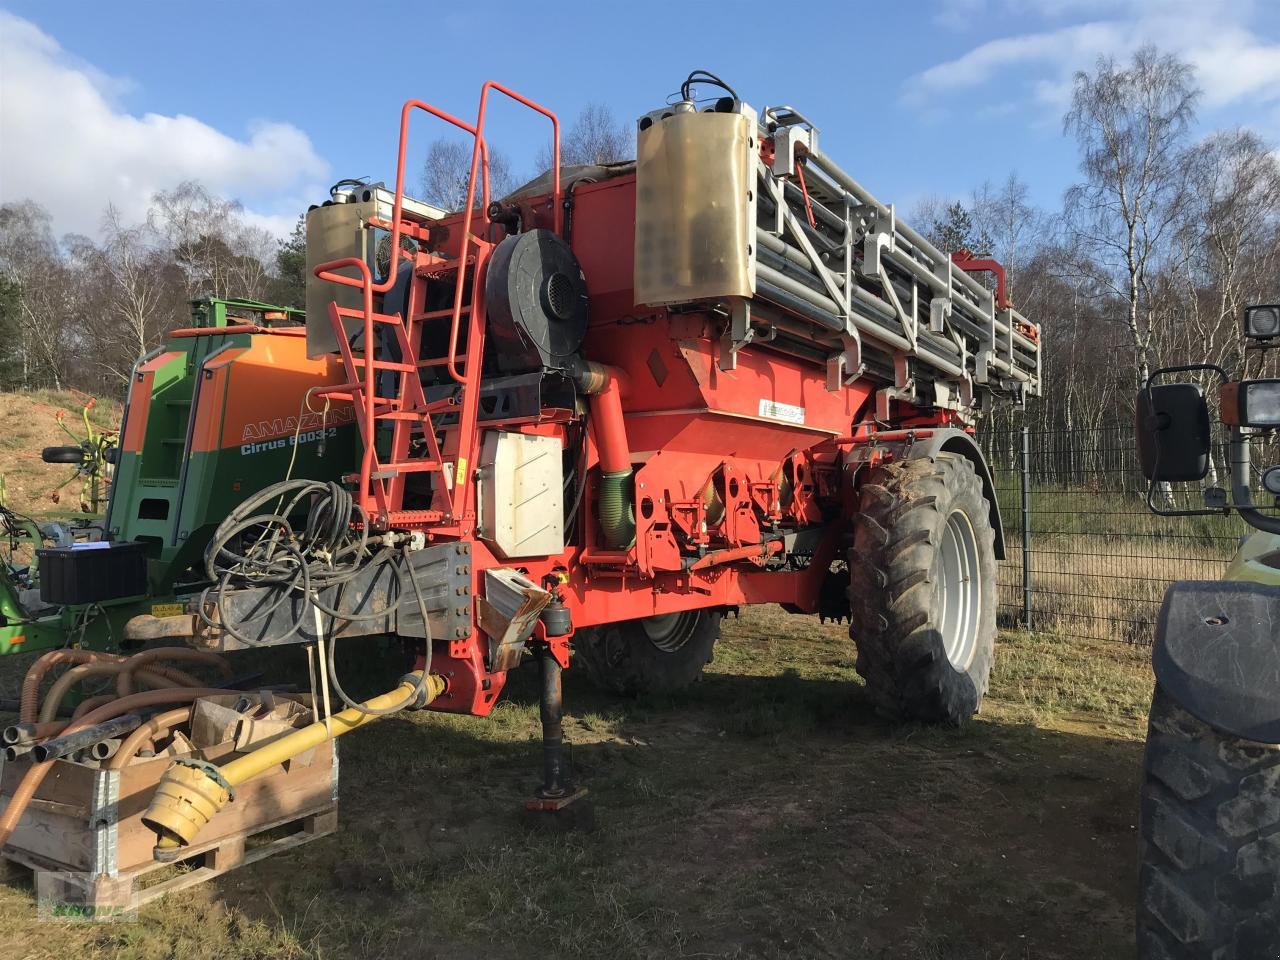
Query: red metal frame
pixel 717 479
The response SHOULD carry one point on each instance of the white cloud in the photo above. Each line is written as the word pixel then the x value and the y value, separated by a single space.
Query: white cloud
pixel 1233 64
pixel 985 61
pixel 65 143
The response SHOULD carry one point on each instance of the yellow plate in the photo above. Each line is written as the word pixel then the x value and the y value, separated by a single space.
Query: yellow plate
pixel 168 609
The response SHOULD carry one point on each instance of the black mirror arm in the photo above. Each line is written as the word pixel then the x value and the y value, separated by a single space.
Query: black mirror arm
pixel 1241 495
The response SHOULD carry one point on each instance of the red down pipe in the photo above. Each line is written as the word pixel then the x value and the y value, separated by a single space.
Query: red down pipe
pixel 603 386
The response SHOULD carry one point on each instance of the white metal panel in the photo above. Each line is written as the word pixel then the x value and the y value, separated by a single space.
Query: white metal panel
pixel 522 495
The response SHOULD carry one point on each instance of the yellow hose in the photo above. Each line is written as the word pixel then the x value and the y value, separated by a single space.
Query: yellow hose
pixel 192 791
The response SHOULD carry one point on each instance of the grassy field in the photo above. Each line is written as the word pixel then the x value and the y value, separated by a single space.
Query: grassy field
pixel 29 423
pixel 1106 587
pixel 766 813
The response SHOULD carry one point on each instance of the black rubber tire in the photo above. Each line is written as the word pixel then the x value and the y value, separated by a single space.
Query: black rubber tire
pixel 621 657
pixel 894 566
pixel 62 454
pixel 1208 842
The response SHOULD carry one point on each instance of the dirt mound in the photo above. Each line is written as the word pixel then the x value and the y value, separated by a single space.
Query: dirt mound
pixel 29 422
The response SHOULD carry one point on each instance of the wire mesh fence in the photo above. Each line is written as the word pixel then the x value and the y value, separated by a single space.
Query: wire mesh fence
pixel 1084 555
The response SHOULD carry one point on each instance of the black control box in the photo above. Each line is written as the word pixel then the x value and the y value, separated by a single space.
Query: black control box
pixel 92 572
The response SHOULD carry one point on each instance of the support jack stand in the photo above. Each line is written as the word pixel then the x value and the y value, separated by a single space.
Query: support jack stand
pixel 559 806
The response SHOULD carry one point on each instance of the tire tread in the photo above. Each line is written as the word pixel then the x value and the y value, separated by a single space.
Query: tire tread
pixel 1209 842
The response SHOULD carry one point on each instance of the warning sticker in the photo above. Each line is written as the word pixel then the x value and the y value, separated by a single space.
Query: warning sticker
pixel 773 410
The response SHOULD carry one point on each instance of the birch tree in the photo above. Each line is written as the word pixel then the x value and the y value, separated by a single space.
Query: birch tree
pixel 1131 124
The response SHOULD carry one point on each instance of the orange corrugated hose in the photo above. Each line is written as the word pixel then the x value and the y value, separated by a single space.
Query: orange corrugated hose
pixel 153 676
pixel 35 776
pixel 124 683
pixel 29 706
pixel 157 726
pixel 92 703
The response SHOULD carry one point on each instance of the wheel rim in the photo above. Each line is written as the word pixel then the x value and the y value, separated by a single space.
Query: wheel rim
pixel 959 591
pixel 670 631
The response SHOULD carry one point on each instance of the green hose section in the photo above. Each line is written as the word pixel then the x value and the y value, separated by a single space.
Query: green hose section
pixel 615 510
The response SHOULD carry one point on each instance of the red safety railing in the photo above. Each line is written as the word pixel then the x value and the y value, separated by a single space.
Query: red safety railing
pixel 461 497
pixel 557 205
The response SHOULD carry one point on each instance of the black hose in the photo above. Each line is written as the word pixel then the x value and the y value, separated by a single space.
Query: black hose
pixel 328 553
pixel 269 552
pixel 419 688
pixel 703 76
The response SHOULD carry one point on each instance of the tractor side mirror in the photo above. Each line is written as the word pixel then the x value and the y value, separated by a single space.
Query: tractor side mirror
pixel 1173 433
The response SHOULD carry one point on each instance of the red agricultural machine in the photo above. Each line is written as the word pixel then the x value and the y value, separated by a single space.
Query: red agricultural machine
pixel 596 414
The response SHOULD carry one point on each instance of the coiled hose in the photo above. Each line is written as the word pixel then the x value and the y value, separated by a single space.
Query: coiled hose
pixel 257 546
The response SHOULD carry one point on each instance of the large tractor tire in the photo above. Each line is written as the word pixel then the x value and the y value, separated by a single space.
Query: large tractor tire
pixel 1209 842
pixel 1209 826
pixel 922 592
pixel 653 655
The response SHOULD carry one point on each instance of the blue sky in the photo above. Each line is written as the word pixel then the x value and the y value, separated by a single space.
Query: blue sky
pixel 271 101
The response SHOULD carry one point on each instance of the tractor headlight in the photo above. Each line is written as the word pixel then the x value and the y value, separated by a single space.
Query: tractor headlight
pixel 1271 480
pixel 1262 322
pixel 1251 403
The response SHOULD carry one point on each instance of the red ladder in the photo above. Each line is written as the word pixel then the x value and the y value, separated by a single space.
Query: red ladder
pixel 380 484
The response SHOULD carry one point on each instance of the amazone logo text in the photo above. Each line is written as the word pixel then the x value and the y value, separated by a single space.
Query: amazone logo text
pixel 282 426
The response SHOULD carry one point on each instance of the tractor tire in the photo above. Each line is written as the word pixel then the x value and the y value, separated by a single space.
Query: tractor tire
pixel 62 454
pixel 922 589
pixel 651 655
pixel 1208 842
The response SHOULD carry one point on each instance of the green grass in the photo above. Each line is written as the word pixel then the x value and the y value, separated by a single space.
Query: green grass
pixel 1108 512
pixel 766 812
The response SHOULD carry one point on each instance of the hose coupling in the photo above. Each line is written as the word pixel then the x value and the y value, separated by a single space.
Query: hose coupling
pixel 433 685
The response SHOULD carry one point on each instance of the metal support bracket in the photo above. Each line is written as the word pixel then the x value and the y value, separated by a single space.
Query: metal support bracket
pixel 884 396
pixel 785 141
pixel 824 274
pixel 847 366
pixel 909 323
pixel 939 313
pixel 738 334
pixel 778 194
pixel 879 239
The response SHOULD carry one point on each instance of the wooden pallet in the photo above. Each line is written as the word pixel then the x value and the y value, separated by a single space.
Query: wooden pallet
pixel 202 862
pixel 84 830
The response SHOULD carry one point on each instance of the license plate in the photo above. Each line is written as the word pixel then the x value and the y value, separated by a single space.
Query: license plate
pixel 168 609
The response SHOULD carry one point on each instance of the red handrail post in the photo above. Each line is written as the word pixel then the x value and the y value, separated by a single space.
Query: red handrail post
pixel 325 271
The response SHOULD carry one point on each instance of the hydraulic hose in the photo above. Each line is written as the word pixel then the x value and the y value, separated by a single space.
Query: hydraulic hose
pixel 257 546
pixel 35 776
pixel 192 791
pixel 29 705
pixel 124 683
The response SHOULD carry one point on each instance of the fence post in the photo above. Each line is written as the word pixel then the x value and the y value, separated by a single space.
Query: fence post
pixel 1025 476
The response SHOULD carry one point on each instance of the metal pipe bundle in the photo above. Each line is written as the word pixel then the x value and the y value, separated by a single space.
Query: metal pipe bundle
pixel 818 267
